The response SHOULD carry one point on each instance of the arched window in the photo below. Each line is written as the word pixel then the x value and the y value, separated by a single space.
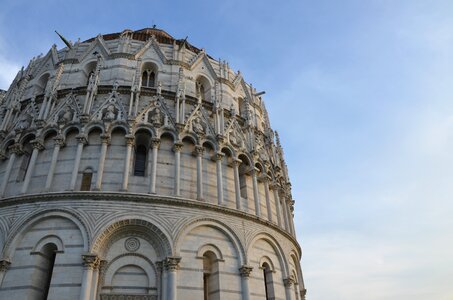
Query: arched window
pixel 268 281
pixel 86 180
pixel 140 161
pixel 148 78
pixel 241 106
pixel 48 261
pixel 25 161
pixel 243 179
pixel 211 284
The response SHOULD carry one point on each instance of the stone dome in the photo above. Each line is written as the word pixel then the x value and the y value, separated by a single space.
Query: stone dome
pixel 135 165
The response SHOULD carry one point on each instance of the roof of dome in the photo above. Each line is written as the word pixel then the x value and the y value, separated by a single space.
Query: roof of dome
pixel 144 34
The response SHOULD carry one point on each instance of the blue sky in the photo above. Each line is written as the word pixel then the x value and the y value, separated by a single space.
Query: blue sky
pixel 362 95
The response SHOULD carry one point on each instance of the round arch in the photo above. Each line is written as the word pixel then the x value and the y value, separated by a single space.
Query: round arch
pixel 225 229
pixel 21 228
pixel 153 233
pixel 277 248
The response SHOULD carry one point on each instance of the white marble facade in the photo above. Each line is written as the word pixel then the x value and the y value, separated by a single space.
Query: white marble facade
pixel 135 166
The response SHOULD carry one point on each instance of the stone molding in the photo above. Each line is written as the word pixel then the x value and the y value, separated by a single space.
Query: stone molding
pixel 145 198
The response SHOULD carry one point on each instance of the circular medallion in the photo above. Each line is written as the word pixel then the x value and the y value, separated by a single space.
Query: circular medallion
pixel 132 244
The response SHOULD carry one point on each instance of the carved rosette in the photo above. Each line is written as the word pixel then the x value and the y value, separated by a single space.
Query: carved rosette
pixel 132 244
pixel 245 271
pixel 172 263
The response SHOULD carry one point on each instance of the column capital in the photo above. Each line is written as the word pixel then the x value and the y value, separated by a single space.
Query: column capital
pixel 289 281
pixel 160 266
pixel 90 261
pixel 177 146
pixel 3 155
pixel 37 144
pixel 105 139
pixel 16 149
pixel 102 266
pixel 218 156
pixel 82 139
pixel 235 162
pixel 171 263
pixel 4 265
pixel 130 139
pixel 155 142
pixel 198 151
pixel 59 140
pixel 245 270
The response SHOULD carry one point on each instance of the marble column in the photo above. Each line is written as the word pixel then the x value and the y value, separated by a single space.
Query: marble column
pixel 265 180
pixel 4 265
pixel 218 158
pixel 130 140
pixel 100 280
pixel 15 149
pixel 256 195
pixel 245 275
pixel 289 288
pixel 199 154
pixel 105 141
pixel 274 187
pixel 155 142
pixel 90 263
pixel 237 184
pixel 59 142
pixel 285 213
pixel 177 149
pixel 291 216
pixel 81 142
pixel 37 145
pixel 159 281
pixel 171 266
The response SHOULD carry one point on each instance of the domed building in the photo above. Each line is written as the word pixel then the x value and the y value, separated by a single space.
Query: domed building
pixel 136 166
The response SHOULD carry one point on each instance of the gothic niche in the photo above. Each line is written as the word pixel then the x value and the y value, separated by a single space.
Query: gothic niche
pixel 155 116
pixel 198 125
pixel 66 115
pixel 109 114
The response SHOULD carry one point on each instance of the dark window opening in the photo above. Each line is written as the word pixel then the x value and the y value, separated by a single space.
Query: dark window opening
pixel 50 254
pixel 140 161
pixel 86 180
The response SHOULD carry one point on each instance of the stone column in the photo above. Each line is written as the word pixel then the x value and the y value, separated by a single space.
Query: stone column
pixel 285 213
pixel 159 269
pixel 218 158
pixel 105 140
pixel 291 217
pixel 265 180
pixel 4 265
pixel 37 146
pixel 152 178
pixel 199 153
pixel 59 142
pixel 90 263
pixel 100 279
pixel 127 163
pixel 237 185
pixel 245 275
pixel 177 149
pixel 256 195
pixel 171 265
pixel 15 149
pixel 289 288
pixel 81 141
pixel 274 187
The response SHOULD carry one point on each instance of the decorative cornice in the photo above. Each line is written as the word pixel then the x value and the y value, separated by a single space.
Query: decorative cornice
pixel 144 198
